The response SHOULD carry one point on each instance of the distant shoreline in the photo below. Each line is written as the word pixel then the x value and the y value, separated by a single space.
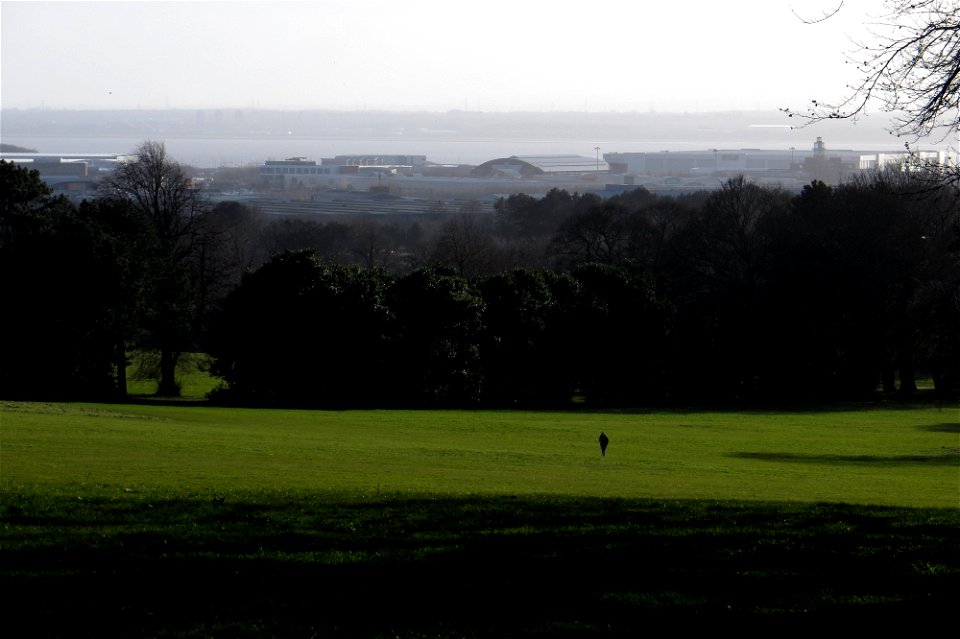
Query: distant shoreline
pixel 13 148
pixel 242 137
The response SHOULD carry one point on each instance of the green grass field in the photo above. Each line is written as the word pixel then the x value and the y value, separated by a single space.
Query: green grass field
pixel 159 520
pixel 895 457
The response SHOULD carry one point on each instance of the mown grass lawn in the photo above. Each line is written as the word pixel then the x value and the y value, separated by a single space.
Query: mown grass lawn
pixel 193 521
pixel 897 457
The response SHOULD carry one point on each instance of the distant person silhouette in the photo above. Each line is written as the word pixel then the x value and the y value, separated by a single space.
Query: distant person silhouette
pixel 604 440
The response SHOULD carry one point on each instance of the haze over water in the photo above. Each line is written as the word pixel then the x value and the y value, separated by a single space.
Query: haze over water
pixel 471 139
pixel 376 57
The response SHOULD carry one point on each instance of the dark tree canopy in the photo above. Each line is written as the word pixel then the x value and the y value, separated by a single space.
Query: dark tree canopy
pixel 22 189
pixel 300 330
pixel 526 343
pixel 435 356
pixel 744 294
pixel 70 288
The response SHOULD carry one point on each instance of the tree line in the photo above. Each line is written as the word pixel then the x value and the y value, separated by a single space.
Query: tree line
pixel 743 294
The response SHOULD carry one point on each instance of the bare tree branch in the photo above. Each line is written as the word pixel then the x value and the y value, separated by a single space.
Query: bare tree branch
pixel 911 68
pixel 829 13
pixel 162 190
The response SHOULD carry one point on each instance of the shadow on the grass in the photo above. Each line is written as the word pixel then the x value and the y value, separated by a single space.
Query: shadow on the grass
pixel 948 427
pixel 471 567
pixel 947 458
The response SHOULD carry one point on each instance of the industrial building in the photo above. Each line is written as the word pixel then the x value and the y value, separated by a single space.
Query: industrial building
pixel 72 174
pixel 301 172
pixel 529 166
pixel 412 176
pixel 788 165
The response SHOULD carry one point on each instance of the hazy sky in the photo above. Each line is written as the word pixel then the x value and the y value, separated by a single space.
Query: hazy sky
pixel 489 55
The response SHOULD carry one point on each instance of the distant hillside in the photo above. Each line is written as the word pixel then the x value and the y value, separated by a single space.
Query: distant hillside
pixel 13 148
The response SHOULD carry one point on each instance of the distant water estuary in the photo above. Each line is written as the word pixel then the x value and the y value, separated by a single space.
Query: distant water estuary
pixel 208 152
pixel 221 151
pixel 216 138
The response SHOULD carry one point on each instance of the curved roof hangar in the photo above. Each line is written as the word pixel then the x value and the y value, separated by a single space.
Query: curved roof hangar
pixel 533 165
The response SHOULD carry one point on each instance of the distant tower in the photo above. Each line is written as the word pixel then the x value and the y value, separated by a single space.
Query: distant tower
pixel 820 167
pixel 819 150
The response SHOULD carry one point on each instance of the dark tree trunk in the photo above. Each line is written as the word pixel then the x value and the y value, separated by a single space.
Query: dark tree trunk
pixel 168 366
pixel 908 381
pixel 121 366
pixel 889 377
pixel 908 374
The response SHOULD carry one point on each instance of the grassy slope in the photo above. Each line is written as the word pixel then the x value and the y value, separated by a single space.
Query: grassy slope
pixel 889 457
pixel 166 521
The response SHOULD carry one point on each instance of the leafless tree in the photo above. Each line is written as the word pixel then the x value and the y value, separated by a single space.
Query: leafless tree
pixel 232 233
pixel 163 192
pixel 371 244
pixel 600 234
pixel 910 67
pixel 825 14
pixel 466 243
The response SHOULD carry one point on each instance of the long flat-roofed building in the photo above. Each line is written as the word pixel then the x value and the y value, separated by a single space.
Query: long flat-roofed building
pixel 818 162
pixel 308 173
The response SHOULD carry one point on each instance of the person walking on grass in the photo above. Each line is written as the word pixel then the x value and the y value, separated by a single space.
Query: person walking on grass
pixel 604 440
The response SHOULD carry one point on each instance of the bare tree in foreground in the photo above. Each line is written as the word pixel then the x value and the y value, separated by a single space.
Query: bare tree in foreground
pixel 911 69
